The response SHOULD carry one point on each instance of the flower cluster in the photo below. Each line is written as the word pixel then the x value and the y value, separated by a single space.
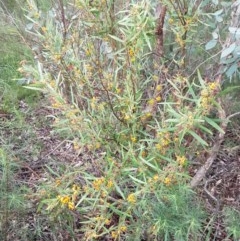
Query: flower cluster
pixel 115 234
pixel 131 198
pixel 66 201
pixel 101 182
pixel 181 160
pixel 164 141
pixel 207 96
pixel 69 200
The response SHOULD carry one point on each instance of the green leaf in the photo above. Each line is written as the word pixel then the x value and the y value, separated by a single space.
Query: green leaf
pixel 34 88
pixel 172 120
pixel 219 19
pixel 147 41
pixel 118 189
pixel 181 136
pixel 201 79
pixel 116 38
pixel 205 129
pixel 82 199
pixel 52 171
pixel 149 164
pixel 214 125
pixel 117 211
pixel 228 50
pixel 211 44
pixel 174 113
pixel 198 138
pixel 232 70
pixel 191 91
pixel 136 180
pixel 218 12
pixel 235 31
pixel 229 90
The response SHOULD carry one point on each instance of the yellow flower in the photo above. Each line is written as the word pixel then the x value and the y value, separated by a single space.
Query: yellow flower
pixel 155 78
pixel 131 198
pixel 103 194
pixel 159 146
pixel 133 139
pixel 144 153
pixel 97 145
pixel 118 90
pixel 158 87
pixel 58 182
pixel 107 222
pixel 36 15
pixel 131 52
pixel 44 29
pixel 158 98
pixel 85 188
pixel 170 21
pixel 109 184
pixel 114 234
pixel 151 102
pixel 148 115
pixel 167 181
pixel 126 117
pixel 204 93
pixel 99 218
pixel 71 205
pixel 75 187
pixel 181 160
pixel 97 184
pixel 64 199
pixel 213 86
pixel 123 228
pixel 155 178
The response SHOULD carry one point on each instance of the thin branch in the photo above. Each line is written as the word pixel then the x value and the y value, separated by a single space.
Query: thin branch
pixel 233 115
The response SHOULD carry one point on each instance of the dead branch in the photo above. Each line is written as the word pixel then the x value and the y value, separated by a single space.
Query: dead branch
pixel 159 30
pixel 201 173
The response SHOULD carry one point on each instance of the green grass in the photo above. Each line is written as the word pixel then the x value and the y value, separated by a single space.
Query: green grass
pixel 12 52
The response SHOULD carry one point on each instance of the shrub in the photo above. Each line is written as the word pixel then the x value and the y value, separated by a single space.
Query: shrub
pixel 139 118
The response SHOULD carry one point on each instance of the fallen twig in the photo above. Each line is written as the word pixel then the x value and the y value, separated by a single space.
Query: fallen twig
pixel 201 173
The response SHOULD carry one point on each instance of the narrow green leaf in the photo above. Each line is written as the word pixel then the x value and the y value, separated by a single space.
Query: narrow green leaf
pixel 136 180
pixel 174 113
pixel 147 41
pixel 116 38
pixel 82 199
pixel 205 129
pixel 198 138
pixel 119 190
pixel 149 164
pixel 229 90
pixel 201 79
pixel 172 120
pixel 52 171
pixel 214 125
pixel 117 211
pixel 191 91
